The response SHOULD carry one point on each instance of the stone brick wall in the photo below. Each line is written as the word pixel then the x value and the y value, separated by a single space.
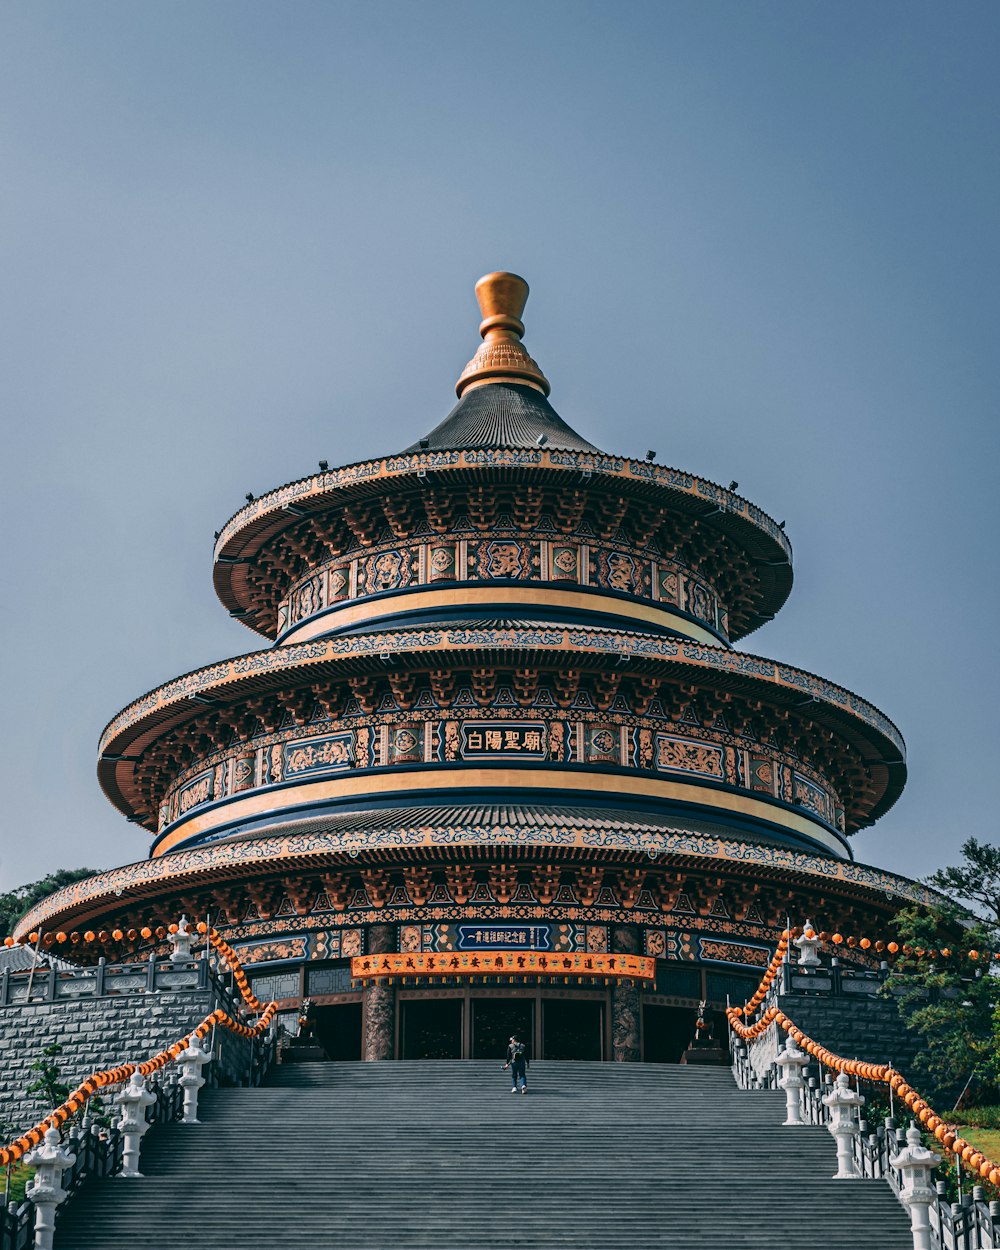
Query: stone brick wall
pixel 858 1027
pixel 100 1033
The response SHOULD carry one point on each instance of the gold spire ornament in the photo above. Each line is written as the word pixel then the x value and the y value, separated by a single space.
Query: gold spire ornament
pixel 502 357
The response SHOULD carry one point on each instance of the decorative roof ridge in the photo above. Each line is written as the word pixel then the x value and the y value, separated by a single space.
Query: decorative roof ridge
pixel 328 480
pixel 328 647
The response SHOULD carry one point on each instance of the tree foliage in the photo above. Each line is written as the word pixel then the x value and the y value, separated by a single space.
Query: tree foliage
pixel 48 1086
pixel 976 882
pixel 16 903
pixel 947 998
pixel 951 999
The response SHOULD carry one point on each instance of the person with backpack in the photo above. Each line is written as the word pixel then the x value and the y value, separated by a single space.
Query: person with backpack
pixel 517 1061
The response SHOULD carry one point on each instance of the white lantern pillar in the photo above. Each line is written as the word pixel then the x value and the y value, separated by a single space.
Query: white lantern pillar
pixel 182 941
pixel 191 1061
pixel 916 1163
pixel 45 1190
pixel 808 947
pixel 790 1063
pixel 133 1100
pixel 843 1102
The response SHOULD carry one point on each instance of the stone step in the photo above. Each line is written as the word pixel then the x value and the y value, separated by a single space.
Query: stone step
pixel 440 1156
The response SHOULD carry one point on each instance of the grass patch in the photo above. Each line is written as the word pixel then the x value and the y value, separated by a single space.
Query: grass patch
pixel 985 1139
pixel 977 1117
pixel 20 1175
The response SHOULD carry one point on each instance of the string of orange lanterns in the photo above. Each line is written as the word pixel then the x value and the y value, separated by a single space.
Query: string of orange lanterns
pixel 110 1077
pixel 149 931
pixel 878 1073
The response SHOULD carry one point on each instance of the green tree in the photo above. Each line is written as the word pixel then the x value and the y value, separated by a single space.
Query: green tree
pixel 946 996
pixel 48 1086
pixel 16 903
pixel 951 999
pixel 976 882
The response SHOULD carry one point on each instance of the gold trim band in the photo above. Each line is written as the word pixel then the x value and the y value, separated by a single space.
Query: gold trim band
pixel 279 801
pixel 466 595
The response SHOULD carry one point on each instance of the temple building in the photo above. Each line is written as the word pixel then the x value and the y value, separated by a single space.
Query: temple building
pixel 500 764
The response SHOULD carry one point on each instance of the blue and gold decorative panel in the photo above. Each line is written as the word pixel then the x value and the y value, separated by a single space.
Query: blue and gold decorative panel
pixel 684 755
pixel 564 562
pixel 405 743
pixel 332 753
pixel 515 740
pixel 200 789
pixel 716 950
pixel 602 744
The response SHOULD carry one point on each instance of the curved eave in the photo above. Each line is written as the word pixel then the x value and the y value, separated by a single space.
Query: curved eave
pixel 140 724
pixel 248 532
pixel 167 879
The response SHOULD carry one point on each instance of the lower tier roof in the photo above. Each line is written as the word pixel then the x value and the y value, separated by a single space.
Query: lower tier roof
pixel 467 834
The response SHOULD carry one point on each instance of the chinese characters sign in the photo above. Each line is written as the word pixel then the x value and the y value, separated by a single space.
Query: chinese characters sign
pixel 505 963
pixel 517 739
pixel 478 937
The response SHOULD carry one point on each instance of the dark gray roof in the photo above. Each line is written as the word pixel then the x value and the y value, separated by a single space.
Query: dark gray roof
pixel 502 414
pixel 490 815
pixel 20 959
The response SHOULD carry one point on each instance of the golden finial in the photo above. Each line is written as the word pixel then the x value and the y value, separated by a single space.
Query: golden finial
pixel 502 357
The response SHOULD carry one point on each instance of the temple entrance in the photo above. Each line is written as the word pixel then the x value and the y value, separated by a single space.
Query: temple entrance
pixel 666 1032
pixel 572 1030
pixel 431 1028
pixel 338 1030
pixel 495 1020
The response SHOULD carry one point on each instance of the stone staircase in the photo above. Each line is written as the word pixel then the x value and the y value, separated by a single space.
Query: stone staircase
pixel 440 1156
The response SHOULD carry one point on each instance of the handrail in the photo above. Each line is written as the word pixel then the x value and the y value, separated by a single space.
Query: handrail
pixel 877 1073
pixel 106 1078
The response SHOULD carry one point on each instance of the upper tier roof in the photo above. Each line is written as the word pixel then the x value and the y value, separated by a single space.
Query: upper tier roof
pixel 501 445
pixel 502 414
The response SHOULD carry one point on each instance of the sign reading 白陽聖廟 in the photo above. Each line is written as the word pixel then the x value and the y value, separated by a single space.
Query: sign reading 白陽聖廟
pixel 478 937
pixel 518 738
pixel 506 963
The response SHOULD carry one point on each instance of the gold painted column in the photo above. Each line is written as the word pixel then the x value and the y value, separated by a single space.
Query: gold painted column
pixel 380 1000
pixel 626 1001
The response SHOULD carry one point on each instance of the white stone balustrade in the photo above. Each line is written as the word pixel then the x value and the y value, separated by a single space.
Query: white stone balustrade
pixel 790 1063
pixel 915 1163
pixel 133 1100
pixel 808 947
pixel 842 1102
pixel 191 1061
pixel 49 1160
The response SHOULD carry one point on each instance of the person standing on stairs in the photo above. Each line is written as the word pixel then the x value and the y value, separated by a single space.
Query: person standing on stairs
pixel 517 1061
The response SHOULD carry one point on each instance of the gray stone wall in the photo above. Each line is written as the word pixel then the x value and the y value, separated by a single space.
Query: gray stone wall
pixel 857 1027
pixel 101 1033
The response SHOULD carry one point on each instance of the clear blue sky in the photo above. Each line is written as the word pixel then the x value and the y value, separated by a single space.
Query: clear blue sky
pixel 238 237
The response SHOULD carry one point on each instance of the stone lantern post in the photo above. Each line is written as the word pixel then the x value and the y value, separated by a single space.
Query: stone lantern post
pixel 45 1190
pixel 808 947
pixel 790 1063
pixel 191 1061
pixel 843 1101
pixel 182 941
pixel 133 1100
pixel 916 1163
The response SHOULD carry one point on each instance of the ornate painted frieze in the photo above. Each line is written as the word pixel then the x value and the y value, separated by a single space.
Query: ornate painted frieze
pixel 511 555
pixel 461 735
